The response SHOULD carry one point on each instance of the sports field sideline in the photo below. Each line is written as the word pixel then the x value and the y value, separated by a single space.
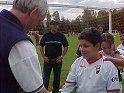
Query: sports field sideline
pixel 70 57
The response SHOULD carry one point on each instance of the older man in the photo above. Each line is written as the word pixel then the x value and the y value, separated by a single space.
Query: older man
pixel 53 55
pixel 19 64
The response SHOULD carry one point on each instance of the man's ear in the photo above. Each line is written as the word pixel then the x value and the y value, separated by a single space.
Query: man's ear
pixel 33 12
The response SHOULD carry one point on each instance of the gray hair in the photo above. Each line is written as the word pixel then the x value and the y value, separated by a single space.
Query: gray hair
pixel 28 5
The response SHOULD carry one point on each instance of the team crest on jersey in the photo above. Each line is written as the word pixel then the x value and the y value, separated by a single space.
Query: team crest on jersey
pixel 115 78
pixel 98 69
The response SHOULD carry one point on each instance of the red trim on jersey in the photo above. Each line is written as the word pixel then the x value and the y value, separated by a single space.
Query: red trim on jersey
pixel 70 82
pixel 114 90
pixel 93 61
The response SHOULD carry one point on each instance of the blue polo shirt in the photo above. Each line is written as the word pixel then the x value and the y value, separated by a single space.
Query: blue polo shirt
pixel 53 44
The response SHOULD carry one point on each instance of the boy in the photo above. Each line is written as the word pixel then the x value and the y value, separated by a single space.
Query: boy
pixel 90 73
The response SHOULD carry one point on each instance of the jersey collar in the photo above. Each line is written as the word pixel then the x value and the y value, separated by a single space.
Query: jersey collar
pixel 93 61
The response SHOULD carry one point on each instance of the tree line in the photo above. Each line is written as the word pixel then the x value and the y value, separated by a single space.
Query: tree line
pixel 89 18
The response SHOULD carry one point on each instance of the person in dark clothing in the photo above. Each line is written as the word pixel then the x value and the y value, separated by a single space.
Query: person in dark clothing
pixel 53 54
pixel 19 65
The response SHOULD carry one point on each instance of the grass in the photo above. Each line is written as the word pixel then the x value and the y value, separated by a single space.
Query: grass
pixel 69 58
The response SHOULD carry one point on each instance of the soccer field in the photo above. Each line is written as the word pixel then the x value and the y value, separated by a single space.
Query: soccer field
pixel 70 57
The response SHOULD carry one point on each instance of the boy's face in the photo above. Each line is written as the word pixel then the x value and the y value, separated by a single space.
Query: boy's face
pixel 88 50
pixel 53 28
pixel 107 48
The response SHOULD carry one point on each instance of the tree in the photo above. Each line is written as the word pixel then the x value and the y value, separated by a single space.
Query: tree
pixel 64 25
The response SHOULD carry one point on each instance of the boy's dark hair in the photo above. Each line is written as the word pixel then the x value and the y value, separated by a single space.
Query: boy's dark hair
pixel 107 37
pixel 91 35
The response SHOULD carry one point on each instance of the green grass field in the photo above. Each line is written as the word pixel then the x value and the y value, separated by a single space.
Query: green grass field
pixel 70 57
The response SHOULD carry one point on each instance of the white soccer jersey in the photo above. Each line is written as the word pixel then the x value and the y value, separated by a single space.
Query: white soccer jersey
pixel 120 48
pixel 121 52
pixel 97 77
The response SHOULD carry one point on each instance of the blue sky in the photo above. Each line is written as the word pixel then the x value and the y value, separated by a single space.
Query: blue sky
pixel 71 13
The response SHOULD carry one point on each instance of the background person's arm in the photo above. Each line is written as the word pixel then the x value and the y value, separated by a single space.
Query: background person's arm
pixel 116 61
pixel 64 51
pixel 65 46
pixel 59 59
